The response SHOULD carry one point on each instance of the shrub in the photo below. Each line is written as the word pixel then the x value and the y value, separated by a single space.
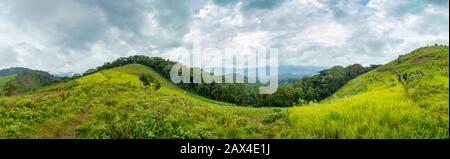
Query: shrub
pixel 148 80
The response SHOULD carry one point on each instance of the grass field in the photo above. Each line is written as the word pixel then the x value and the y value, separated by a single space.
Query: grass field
pixel 115 104
pixel 376 105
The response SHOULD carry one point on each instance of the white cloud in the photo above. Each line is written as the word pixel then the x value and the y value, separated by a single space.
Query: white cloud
pixel 329 34
pixel 43 35
pixel 250 40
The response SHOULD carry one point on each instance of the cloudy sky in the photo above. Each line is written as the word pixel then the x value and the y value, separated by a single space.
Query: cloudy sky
pixel 75 35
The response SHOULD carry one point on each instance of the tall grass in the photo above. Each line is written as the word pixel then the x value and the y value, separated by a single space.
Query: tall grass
pixel 377 105
pixel 115 104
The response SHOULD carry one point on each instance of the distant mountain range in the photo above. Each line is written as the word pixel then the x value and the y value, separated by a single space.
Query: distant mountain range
pixel 284 72
pixel 294 72
pixel 113 103
pixel 17 70
pixel 64 74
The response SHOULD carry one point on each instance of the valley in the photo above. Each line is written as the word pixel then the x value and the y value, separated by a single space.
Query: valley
pixel 113 103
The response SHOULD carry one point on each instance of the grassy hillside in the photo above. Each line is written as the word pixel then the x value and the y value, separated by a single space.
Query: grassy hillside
pixel 114 103
pixel 377 105
pixel 9 74
pixel 26 81
pixel 137 69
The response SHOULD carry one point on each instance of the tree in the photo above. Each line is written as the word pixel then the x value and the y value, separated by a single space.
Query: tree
pixel 148 80
pixel 313 88
pixel 11 88
pixel 157 85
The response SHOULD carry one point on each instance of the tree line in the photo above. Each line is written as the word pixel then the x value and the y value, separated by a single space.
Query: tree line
pixel 297 92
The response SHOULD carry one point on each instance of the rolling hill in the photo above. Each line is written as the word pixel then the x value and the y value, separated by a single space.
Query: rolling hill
pixel 21 80
pixel 113 103
pixel 9 74
pixel 376 105
pixel 13 71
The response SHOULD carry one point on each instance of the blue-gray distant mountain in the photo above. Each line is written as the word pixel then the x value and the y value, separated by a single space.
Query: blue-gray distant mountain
pixel 294 72
pixel 284 72
pixel 64 74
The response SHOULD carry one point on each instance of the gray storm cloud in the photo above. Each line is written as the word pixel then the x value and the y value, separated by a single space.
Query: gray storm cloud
pixel 75 35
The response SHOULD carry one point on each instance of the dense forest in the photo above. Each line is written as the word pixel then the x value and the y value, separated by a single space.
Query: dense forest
pixel 297 92
pixel 328 81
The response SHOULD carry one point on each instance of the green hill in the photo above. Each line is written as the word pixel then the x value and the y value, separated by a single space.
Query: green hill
pixel 114 103
pixel 376 105
pixel 9 74
pixel 13 71
pixel 137 70
pixel 26 81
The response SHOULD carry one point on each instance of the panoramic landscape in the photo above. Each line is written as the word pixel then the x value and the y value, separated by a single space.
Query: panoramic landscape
pixel 96 75
pixel 117 102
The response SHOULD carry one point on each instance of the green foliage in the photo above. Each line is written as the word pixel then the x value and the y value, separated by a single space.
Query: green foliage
pixel 114 103
pixel 13 71
pixel 327 82
pixel 26 81
pixel 4 81
pixel 11 88
pixel 276 114
pixel 308 89
pixel 148 80
pixel 376 105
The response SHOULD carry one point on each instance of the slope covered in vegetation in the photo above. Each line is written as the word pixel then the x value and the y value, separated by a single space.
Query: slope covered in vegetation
pixel 114 103
pixel 25 81
pixel 9 74
pixel 313 88
pixel 13 71
pixel 377 105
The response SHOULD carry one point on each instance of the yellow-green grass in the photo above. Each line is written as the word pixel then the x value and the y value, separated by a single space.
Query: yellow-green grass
pixel 376 114
pixel 377 105
pixel 137 70
pixel 114 104
pixel 167 86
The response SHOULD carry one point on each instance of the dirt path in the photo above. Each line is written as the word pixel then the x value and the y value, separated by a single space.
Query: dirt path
pixel 62 129
pixel 406 90
pixel 69 131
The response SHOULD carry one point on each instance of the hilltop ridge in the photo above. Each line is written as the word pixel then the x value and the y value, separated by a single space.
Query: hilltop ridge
pixel 114 103
pixel 377 105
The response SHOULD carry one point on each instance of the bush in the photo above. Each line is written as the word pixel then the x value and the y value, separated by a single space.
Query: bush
pixel 276 114
pixel 148 80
